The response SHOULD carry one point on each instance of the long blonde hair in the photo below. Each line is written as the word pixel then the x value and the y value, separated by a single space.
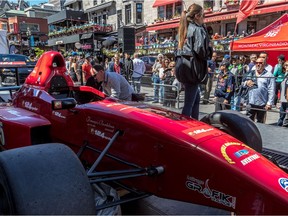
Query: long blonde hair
pixel 186 17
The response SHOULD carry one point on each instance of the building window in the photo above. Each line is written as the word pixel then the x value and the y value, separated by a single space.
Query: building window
pixel 161 11
pixel 99 20
pixel 104 17
pixel 4 26
pixel 102 1
pixel 139 9
pixel 128 15
pixel 119 18
pixel 251 26
pixel 178 8
pixel 169 11
pixel 80 5
pixel 230 28
pixel 11 26
pixel 95 2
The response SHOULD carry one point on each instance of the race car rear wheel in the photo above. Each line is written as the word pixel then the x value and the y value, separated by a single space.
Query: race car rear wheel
pixel 236 125
pixel 44 179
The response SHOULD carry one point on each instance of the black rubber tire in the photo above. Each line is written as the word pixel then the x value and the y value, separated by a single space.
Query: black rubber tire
pixel 236 125
pixel 44 179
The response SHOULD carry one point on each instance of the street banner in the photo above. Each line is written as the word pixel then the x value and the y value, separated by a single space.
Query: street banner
pixel 246 8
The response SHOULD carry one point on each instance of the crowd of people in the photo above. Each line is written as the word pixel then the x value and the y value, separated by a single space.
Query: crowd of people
pixel 256 85
pixel 131 69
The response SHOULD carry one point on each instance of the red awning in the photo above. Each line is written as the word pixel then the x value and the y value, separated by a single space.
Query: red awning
pixel 261 9
pixel 159 3
pixel 163 25
pixel 272 37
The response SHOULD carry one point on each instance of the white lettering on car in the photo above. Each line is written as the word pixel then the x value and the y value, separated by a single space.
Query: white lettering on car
pixel 250 159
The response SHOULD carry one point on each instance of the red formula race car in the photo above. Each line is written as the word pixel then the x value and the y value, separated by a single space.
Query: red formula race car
pixel 146 150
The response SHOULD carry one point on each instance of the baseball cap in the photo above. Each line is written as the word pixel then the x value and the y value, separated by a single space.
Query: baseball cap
pixel 226 56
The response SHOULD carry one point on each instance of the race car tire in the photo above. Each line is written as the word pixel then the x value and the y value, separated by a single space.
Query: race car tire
pixel 236 125
pixel 44 179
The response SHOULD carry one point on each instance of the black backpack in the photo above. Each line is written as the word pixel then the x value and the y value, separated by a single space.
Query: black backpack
pixel 187 70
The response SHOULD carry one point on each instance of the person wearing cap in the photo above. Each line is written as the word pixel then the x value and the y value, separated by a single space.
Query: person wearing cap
pixel 261 91
pixel 224 89
pixel 155 77
pixel 279 75
pixel 113 84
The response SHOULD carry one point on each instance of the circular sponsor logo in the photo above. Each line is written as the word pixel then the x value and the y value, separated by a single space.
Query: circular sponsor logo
pixel 283 183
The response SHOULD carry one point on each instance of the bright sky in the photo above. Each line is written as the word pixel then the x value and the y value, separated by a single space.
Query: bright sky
pixel 33 2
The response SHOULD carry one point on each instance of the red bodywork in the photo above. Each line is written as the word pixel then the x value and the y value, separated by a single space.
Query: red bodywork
pixel 202 164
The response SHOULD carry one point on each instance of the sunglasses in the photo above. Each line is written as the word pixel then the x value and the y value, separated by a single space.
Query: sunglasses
pixel 259 62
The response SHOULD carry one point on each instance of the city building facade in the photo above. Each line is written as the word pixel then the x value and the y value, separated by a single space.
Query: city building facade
pixel 27 33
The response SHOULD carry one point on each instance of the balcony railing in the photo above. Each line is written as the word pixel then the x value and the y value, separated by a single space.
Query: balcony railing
pixel 232 2
pixel 87 28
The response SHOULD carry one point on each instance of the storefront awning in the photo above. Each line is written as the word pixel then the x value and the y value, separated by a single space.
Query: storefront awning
pixel 262 9
pixel 68 2
pixel 86 36
pixel 163 26
pixel 159 3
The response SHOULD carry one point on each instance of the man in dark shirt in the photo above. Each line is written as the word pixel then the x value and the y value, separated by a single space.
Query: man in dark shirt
pixel 128 66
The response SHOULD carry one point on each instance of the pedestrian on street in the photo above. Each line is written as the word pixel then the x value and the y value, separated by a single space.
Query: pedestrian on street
pixel 224 89
pixel 193 37
pixel 283 117
pixel 115 65
pixel 138 72
pixel 261 85
pixel 128 66
pixel 211 72
pixel 279 73
pixel 155 77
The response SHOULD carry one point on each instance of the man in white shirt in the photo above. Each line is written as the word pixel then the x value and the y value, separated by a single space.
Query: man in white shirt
pixel 138 71
pixel 268 67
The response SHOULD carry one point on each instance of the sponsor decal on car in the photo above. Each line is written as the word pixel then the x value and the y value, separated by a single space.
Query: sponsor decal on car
pixel 58 114
pixel 283 183
pixel 99 134
pixel 204 189
pixel 107 126
pixel 195 132
pixel 224 152
pixel 250 159
pixel 28 105
pixel 240 153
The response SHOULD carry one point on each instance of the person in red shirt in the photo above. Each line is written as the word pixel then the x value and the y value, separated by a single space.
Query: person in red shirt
pixel 86 69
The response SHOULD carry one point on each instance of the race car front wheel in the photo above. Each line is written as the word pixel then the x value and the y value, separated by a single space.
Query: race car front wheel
pixel 44 179
pixel 236 125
